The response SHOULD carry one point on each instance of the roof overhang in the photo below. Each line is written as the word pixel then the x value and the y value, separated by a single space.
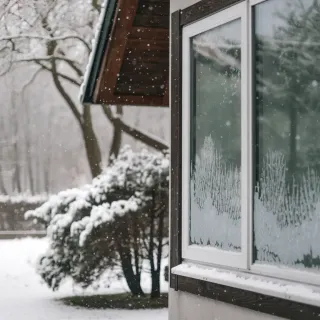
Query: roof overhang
pixel 129 63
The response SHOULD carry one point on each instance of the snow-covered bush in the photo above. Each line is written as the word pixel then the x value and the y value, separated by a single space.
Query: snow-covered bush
pixel 120 218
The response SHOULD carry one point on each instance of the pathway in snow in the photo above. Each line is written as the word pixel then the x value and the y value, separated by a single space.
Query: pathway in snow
pixel 24 297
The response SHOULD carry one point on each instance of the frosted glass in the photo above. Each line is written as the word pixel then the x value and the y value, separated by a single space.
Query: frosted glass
pixel 215 208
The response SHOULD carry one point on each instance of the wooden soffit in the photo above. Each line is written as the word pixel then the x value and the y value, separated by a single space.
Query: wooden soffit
pixel 131 62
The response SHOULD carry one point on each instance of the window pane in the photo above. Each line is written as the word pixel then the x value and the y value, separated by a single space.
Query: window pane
pixel 216 138
pixel 287 106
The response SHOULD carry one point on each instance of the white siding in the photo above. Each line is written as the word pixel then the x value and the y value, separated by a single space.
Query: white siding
pixel 185 306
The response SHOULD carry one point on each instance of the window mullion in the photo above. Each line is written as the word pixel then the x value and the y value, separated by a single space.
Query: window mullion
pixel 250 137
pixel 245 140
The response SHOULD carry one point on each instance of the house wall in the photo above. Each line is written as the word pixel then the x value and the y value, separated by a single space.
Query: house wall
pixel 185 306
pixel 181 4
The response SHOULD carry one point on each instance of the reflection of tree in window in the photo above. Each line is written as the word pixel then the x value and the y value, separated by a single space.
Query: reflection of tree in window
pixel 288 110
pixel 216 69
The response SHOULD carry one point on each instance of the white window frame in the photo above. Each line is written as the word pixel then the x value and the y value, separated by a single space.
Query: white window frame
pixel 195 252
pixel 203 255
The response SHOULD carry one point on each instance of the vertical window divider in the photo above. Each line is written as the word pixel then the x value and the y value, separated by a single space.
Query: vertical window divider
pixel 245 137
pixel 250 135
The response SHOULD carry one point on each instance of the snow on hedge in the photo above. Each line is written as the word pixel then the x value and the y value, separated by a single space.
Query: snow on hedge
pixel 72 216
pixel 130 168
pixel 23 198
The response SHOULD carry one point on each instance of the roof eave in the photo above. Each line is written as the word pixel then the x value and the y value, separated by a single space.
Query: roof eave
pixel 102 35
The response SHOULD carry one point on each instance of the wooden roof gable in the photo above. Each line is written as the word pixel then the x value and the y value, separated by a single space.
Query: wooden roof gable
pixel 129 64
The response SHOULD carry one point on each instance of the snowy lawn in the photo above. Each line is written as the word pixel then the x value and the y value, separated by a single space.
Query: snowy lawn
pixel 23 296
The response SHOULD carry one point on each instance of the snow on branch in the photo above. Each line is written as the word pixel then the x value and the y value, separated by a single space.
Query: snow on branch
pixel 131 171
pixel 46 38
pixel 46 58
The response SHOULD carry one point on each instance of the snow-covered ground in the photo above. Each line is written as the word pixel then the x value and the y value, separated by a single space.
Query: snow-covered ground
pixel 23 296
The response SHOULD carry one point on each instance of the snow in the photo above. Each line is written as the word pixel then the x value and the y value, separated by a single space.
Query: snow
pixel 256 283
pixel 23 296
pixel 94 43
pixel 101 214
pixel 72 216
pixel 26 198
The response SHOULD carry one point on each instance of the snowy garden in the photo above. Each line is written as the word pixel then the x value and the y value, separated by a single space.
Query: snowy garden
pixel 117 222
pixel 106 247
pixel 102 206
pixel 24 296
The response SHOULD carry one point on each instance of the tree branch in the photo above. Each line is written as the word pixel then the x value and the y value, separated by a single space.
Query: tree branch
pixel 75 68
pixel 8 8
pixel 40 37
pixel 45 58
pixel 33 78
pixel 64 94
pixel 137 134
pixel 96 5
pixel 60 75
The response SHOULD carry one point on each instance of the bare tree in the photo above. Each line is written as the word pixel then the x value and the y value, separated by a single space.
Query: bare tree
pixel 55 35
pixel 16 178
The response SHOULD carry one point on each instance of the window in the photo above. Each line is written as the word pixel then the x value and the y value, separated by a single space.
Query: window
pixel 287 106
pixel 250 135
pixel 213 210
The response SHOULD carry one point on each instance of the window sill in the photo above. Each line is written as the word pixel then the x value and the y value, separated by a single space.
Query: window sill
pixel 269 286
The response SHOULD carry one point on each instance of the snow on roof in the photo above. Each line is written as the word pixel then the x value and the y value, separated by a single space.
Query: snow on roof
pixel 95 42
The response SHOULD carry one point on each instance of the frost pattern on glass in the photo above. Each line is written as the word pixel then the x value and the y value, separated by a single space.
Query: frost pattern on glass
pixel 287 218
pixel 287 105
pixel 215 200
pixel 215 208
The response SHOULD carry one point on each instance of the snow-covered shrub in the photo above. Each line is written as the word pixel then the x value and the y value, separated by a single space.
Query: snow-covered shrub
pixel 13 208
pixel 120 218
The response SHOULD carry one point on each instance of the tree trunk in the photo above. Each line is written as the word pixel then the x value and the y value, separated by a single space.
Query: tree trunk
pixel 155 289
pixel 133 280
pixel 36 156
pixel 16 181
pixel 293 143
pixel 155 273
pixel 91 142
pixel 30 174
pixel 155 284
pixel 48 155
pixel 117 136
pixel 85 122
pixel 293 116
pixel 3 189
